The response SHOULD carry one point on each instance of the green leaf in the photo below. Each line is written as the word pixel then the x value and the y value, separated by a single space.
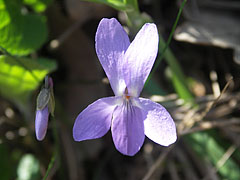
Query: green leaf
pixel 21 33
pixel 19 77
pixel 38 5
pixel 120 5
pixel 209 149
pixel 28 168
pixel 178 79
pixel 4 16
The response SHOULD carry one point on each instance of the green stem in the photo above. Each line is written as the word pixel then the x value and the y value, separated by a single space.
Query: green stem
pixel 164 47
pixel 178 77
pixel 56 150
pixel 50 166
pixel 134 3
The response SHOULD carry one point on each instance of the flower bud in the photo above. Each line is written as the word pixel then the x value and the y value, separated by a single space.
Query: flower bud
pixel 45 105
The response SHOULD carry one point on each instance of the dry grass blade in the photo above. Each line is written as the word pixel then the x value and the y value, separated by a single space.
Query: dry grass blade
pixel 212 124
pixel 192 116
pixel 211 105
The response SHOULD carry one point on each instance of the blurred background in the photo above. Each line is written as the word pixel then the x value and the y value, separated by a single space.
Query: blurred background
pixel 196 76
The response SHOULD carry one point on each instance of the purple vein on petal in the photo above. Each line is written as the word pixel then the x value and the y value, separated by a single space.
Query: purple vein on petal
pixel 94 121
pixel 127 128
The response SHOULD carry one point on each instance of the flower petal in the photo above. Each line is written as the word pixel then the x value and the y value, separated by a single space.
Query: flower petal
pixel 159 125
pixel 41 123
pixel 140 57
pixel 111 43
pixel 127 129
pixel 94 121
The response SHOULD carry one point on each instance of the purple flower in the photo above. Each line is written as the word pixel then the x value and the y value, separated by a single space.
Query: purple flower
pixel 45 105
pixel 127 66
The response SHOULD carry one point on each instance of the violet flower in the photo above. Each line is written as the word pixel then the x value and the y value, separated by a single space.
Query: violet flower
pixel 45 105
pixel 127 67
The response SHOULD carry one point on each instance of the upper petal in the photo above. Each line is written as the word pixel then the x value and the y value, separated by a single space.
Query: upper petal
pixel 111 43
pixel 127 129
pixel 140 57
pixel 94 121
pixel 159 125
pixel 41 123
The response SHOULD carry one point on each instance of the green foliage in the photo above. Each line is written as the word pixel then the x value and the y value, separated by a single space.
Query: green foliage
pixel 19 77
pixel 21 33
pixel 211 151
pixel 121 5
pixel 38 5
pixel 28 168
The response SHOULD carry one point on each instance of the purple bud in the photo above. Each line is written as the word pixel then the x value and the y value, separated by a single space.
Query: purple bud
pixel 45 105
pixel 41 123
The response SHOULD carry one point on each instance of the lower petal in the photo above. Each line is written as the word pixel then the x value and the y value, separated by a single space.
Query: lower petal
pixel 94 121
pixel 41 123
pixel 127 129
pixel 159 125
